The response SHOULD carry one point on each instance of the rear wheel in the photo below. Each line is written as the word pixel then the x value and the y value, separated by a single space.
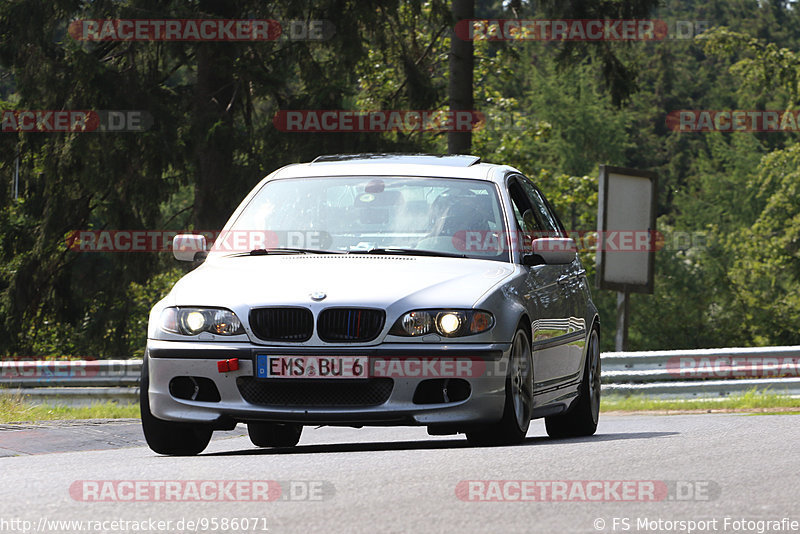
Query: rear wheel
pixel 274 434
pixel 582 419
pixel 518 408
pixel 169 437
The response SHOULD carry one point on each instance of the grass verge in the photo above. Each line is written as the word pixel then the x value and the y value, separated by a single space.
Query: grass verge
pixel 752 400
pixel 15 409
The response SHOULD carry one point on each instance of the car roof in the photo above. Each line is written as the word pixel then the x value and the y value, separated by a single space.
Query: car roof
pixel 444 166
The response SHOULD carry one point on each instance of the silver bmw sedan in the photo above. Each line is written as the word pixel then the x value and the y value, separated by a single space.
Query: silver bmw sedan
pixel 376 289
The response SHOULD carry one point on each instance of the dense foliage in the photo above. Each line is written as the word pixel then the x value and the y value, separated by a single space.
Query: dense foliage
pixel 729 203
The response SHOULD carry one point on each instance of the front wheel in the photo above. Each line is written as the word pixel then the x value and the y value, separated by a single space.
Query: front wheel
pixel 582 419
pixel 518 408
pixel 168 437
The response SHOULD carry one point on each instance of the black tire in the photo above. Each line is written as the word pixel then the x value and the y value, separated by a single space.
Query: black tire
pixel 274 434
pixel 518 408
pixel 168 437
pixel 582 419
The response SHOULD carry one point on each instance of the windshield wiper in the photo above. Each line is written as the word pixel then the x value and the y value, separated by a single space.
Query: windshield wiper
pixel 285 250
pixel 290 250
pixel 409 252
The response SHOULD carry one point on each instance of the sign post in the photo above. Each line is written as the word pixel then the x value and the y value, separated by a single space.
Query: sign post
pixel 621 334
pixel 626 224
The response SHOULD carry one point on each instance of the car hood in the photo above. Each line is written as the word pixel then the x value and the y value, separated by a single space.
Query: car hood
pixel 358 280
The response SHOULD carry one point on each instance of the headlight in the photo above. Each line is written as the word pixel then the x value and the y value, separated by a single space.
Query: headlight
pixel 448 323
pixel 193 321
pixel 416 323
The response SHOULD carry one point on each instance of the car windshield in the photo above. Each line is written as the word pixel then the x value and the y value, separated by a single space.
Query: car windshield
pixel 452 217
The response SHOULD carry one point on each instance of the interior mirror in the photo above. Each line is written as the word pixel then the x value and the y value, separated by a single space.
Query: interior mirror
pixel 375 186
pixel 189 247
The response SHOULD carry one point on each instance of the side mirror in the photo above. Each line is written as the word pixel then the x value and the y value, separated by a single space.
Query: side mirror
pixel 551 251
pixel 189 247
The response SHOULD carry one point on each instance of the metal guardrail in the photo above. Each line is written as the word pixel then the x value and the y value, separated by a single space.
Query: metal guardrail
pixel 702 373
pixel 672 374
pixel 74 383
pixel 61 373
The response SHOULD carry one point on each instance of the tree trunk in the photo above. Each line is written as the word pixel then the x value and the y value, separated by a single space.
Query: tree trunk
pixel 460 83
pixel 213 124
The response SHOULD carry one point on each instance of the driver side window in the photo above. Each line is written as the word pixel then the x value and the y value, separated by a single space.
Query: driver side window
pixel 527 225
pixel 546 220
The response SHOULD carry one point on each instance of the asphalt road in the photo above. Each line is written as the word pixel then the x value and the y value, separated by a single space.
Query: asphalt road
pixel 702 468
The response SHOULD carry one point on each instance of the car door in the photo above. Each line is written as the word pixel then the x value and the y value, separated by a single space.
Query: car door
pixel 558 337
pixel 541 293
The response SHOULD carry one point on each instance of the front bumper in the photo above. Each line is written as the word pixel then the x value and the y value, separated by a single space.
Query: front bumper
pixel 484 403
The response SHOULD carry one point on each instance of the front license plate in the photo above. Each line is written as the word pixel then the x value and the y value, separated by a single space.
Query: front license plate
pixel 272 366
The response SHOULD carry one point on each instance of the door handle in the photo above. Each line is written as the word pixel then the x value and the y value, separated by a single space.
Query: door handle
pixel 564 279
